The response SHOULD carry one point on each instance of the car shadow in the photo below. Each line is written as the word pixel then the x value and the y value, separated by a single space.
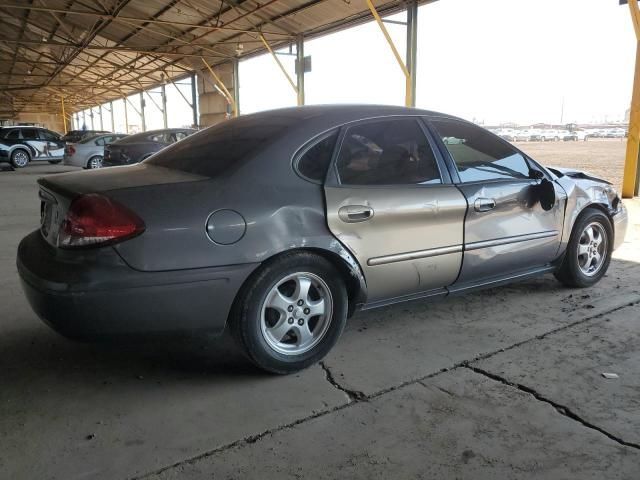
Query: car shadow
pixel 40 353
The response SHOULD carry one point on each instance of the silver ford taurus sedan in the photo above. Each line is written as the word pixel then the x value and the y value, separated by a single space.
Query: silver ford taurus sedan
pixel 280 225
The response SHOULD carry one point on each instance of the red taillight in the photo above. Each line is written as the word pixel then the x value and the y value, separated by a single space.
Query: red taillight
pixel 70 150
pixel 97 220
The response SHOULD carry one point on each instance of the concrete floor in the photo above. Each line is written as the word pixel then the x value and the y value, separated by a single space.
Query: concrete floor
pixel 504 383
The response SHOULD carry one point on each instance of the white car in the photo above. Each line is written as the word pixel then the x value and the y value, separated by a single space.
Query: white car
pixel 576 135
pixel 549 135
pixel 523 135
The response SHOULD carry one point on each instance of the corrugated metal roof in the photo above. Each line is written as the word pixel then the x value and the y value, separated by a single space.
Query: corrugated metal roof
pixel 92 51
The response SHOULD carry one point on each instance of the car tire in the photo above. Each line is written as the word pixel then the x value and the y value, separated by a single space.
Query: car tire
pixel 20 158
pixel 543 139
pixel 588 255
pixel 94 162
pixel 272 318
pixel 54 162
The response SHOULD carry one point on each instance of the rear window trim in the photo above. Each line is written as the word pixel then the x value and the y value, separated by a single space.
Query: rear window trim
pixel 302 151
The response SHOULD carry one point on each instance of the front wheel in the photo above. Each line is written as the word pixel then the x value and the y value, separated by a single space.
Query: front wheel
pixel 589 250
pixel 290 313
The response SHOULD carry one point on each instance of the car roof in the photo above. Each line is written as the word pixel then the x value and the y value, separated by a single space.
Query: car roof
pixel 347 112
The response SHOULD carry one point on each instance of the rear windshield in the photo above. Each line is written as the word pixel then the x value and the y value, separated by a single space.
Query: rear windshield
pixel 213 151
pixel 89 138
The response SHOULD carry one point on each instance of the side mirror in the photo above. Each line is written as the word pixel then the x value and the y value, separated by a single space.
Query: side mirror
pixel 546 194
pixel 543 192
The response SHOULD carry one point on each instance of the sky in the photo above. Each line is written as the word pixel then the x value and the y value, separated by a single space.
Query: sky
pixel 492 61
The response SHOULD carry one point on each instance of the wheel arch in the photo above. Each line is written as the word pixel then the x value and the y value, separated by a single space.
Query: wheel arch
pixel 340 258
pixel 22 147
pixel 86 164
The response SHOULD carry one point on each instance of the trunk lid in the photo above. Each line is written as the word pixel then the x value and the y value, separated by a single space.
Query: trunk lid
pixel 58 191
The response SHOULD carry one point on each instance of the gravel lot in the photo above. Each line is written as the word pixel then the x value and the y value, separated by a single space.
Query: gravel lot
pixel 504 383
pixel 602 157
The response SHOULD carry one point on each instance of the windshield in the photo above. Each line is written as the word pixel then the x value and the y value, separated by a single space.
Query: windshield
pixel 218 148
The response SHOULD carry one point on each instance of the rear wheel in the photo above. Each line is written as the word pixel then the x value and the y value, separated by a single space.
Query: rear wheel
pixel 19 158
pixel 95 162
pixel 291 312
pixel 589 251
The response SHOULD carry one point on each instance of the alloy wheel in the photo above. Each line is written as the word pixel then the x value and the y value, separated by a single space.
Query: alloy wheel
pixel 296 313
pixel 592 249
pixel 20 158
pixel 95 162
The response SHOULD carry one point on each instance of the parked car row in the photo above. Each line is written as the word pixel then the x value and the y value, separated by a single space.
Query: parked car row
pixel 540 135
pixel 20 145
pixel 554 135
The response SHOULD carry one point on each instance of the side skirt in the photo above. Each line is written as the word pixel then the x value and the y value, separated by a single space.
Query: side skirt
pixel 463 288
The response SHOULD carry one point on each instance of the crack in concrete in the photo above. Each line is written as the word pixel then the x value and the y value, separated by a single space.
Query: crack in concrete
pixel 242 441
pixel 561 409
pixel 352 395
pixel 355 396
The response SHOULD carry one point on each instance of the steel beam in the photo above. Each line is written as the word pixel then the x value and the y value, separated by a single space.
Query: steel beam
pixel 113 121
pixel 300 72
pixel 222 89
pixel 64 118
pixel 632 162
pixel 126 115
pixel 412 47
pixel 165 120
pixel 236 85
pixel 144 123
pixel 407 75
pixel 280 65
pixel 194 100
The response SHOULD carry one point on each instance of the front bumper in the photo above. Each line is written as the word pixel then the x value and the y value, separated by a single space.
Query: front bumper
pixel 93 293
pixel 620 224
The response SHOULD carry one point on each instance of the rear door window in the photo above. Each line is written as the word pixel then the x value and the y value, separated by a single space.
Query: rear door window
pixel 387 152
pixel 29 134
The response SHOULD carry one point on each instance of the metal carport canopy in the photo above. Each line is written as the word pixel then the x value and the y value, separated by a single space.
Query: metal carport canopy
pixel 91 52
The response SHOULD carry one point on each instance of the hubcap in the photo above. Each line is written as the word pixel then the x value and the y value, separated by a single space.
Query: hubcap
pixel 592 249
pixel 296 313
pixel 20 158
pixel 95 162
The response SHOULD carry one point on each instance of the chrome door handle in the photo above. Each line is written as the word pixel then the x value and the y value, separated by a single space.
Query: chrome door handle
pixel 355 213
pixel 484 204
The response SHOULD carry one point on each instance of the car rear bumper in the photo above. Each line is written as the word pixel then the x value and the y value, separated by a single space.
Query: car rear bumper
pixel 98 295
pixel 620 223
pixel 73 161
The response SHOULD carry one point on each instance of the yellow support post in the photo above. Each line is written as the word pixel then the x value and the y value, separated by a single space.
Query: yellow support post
pixel 64 118
pixel 225 92
pixel 284 70
pixel 630 178
pixel 408 93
